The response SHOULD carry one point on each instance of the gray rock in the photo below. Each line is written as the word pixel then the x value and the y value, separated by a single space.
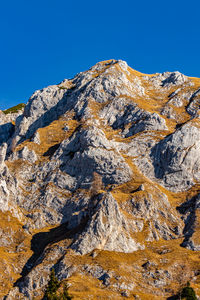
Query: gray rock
pixel 176 101
pixel 6 131
pixel 168 79
pixel 174 78
pixel 24 154
pixel 101 230
pixel 132 153
pixel 194 102
pixel 3 150
pixel 176 158
pixel 89 151
pixel 36 138
pixel 122 112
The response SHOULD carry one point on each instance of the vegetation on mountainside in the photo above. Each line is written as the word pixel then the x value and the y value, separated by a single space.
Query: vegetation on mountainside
pixel 188 293
pixel 52 289
pixel 14 109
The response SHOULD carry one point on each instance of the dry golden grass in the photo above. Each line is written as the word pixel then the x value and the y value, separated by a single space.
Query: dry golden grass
pixel 165 255
pixel 126 266
pixel 15 253
pixel 86 287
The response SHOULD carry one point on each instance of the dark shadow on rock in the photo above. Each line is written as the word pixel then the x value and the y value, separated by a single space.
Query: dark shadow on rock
pixel 83 168
pixel 68 102
pixel 191 100
pixel 6 131
pixel 188 208
pixel 160 159
pixel 175 297
pixel 43 239
pixel 180 125
pixel 50 152
pixel 40 241
pixel 157 161
pixel 48 117
pixel 171 79
pixel 138 118
pixel 76 162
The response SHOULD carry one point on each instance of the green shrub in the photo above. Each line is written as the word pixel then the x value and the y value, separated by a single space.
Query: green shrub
pixel 14 109
pixel 65 295
pixel 188 293
pixel 52 288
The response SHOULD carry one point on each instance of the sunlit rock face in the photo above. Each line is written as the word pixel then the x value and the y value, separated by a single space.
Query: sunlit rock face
pixel 104 165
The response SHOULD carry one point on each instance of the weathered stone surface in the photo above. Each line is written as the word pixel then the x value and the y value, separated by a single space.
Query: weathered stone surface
pixel 3 150
pixel 91 171
pixel 24 154
pixel 193 105
pixel 176 158
pixel 168 79
pixel 190 212
pixel 6 131
pixel 122 112
pixel 41 109
pixel 36 138
pixel 101 230
pixel 89 151
pixel 6 125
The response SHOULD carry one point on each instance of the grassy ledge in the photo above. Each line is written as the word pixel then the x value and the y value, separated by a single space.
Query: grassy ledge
pixel 14 109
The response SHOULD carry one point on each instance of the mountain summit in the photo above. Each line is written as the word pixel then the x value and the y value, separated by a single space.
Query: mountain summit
pixel 99 180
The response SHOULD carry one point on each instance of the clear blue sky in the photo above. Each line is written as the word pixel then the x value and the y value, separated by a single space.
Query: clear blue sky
pixel 43 42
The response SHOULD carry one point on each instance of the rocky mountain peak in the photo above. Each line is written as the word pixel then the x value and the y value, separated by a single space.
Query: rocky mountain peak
pixel 99 179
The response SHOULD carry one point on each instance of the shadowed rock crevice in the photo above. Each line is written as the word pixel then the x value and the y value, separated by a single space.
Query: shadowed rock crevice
pixel 176 158
pixel 50 152
pixel 126 150
pixel 189 211
pixel 6 132
pixel 88 151
pixel 106 229
pixel 42 240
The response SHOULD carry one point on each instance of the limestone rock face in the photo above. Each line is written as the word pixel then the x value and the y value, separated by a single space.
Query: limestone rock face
pixel 101 230
pixel 41 109
pixel 121 113
pixel 24 154
pixel 176 158
pixel 89 151
pixel 193 105
pixel 168 79
pixel 99 179
pixel 6 125
pixel 190 212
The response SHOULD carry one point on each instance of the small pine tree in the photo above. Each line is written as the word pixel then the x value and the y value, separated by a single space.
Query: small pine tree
pixel 52 287
pixel 188 293
pixel 65 295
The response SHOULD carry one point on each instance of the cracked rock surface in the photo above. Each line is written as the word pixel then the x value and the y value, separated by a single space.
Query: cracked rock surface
pixel 99 179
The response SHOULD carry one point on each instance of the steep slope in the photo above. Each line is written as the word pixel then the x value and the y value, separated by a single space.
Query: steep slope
pixel 99 179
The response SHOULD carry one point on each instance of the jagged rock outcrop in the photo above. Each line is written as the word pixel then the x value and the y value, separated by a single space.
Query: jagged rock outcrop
pixel 121 113
pixel 190 212
pixel 168 79
pixel 7 127
pixel 89 151
pixel 99 178
pixel 24 154
pixel 176 158
pixel 193 104
pixel 101 230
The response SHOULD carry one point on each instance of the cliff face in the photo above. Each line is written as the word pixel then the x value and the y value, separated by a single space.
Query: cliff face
pixel 99 179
